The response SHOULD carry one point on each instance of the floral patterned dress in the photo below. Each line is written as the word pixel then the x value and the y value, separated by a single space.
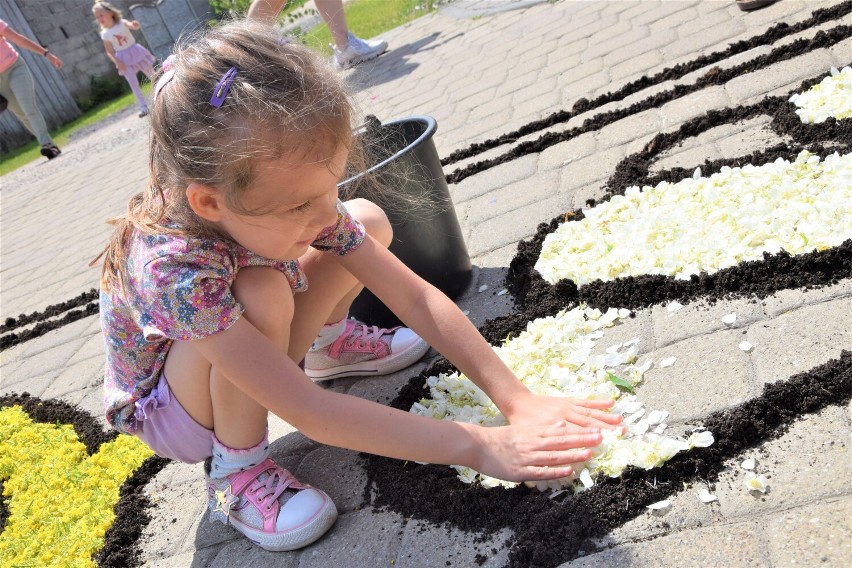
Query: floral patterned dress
pixel 179 288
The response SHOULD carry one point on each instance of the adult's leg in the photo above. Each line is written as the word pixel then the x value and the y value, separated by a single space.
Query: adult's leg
pixel 20 92
pixel 333 16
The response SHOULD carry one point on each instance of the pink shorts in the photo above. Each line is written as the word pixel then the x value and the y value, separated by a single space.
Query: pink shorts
pixel 169 430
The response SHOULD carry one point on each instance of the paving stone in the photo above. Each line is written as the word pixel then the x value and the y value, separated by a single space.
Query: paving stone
pixel 811 536
pixel 710 373
pixel 497 258
pixel 65 334
pixel 562 154
pixel 500 231
pixel 809 463
pixel 733 545
pixel 744 143
pixel 800 339
pixel 786 300
pixel 694 104
pixel 178 506
pixel 638 327
pixel 514 196
pixel 37 372
pixel 685 512
pixel 693 157
pixel 77 376
pixel 740 89
pixel 498 176
pixel 386 388
pixel 701 318
pixel 347 544
pixel 244 554
pixel 581 174
pixel 427 546
pixel 338 472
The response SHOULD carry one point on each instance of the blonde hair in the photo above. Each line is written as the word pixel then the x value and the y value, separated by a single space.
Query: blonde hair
pixel 116 13
pixel 284 101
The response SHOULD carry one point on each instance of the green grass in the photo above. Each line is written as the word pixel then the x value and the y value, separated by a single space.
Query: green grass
pixel 366 18
pixel 369 18
pixel 25 154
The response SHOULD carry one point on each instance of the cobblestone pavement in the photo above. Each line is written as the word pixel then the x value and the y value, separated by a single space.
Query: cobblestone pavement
pixel 483 69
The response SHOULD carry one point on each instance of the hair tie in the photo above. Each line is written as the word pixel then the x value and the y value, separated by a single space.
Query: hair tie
pixel 221 90
pixel 168 74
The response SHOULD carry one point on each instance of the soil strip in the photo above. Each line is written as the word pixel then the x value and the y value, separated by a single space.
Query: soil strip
pixel 773 34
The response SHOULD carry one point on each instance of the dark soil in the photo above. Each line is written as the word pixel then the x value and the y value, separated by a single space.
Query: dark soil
pixel 120 549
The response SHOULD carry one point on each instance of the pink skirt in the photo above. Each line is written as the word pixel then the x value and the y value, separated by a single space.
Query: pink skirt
pixel 135 59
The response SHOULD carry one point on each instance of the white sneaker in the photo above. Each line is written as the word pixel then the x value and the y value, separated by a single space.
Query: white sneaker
pixel 358 51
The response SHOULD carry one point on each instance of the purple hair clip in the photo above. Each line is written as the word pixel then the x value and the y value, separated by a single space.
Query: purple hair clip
pixel 221 90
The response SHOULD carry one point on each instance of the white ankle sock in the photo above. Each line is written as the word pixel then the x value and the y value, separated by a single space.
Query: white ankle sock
pixel 227 460
pixel 328 333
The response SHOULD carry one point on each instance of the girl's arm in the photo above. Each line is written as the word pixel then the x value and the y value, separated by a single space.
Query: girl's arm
pixel 438 320
pixel 30 45
pixel 133 25
pixel 110 51
pixel 515 453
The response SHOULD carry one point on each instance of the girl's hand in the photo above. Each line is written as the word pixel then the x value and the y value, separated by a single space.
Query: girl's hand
pixel 55 61
pixel 133 25
pixel 530 453
pixel 120 66
pixel 580 415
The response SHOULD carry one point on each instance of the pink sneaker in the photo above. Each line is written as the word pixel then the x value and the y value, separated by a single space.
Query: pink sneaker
pixel 268 505
pixel 362 350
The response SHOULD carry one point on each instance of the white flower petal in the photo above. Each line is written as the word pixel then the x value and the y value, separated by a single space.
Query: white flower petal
pixel 746 346
pixel 748 463
pixel 674 306
pixel 586 478
pixel 483 288
pixel 705 496
pixel 667 362
pixel 729 319
pixel 755 482
pixel 660 505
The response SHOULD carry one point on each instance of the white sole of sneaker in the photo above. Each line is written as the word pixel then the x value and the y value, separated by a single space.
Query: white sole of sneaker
pixel 383 366
pixel 296 538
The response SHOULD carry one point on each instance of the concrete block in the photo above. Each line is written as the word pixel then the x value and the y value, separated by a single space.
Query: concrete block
pixel 338 472
pixel 732 545
pixel 786 300
pixel 688 158
pixel 427 546
pixel 45 366
pixel 638 327
pixel 498 176
pixel 813 535
pixel 514 196
pixel 346 543
pixel 565 153
pixel 245 554
pixel 629 128
pixel 702 318
pixel 694 104
pixel 510 228
pixel 83 374
pixel 709 374
pixel 780 74
pixel 800 339
pixel 808 464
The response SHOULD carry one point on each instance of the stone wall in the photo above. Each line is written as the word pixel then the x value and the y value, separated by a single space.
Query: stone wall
pixel 68 28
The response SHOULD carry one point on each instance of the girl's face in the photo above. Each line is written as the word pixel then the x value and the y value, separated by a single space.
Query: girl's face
pixel 105 18
pixel 298 202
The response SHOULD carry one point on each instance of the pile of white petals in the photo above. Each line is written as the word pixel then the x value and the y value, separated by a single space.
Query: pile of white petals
pixel 831 97
pixel 705 224
pixel 553 357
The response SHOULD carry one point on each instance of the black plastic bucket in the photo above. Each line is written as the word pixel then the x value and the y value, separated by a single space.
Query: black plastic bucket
pixel 426 233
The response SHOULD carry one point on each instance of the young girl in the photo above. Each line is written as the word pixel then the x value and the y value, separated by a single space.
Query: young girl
pixel 238 262
pixel 129 57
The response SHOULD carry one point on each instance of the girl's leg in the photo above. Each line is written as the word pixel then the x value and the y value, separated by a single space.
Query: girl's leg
pixel 22 101
pixel 133 81
pixel 245 488
pixel 147 69
pixel 207 395
pixel 332 289
pixel 333 16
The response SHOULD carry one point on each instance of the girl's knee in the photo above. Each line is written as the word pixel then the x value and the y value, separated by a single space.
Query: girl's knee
pixel 373 218
pixel 265 295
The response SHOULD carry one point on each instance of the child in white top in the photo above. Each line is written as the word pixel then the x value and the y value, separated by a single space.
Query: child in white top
pixel 129 57
pixel 221 276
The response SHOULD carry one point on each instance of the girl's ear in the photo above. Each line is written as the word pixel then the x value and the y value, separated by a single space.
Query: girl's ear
pixel 205 201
